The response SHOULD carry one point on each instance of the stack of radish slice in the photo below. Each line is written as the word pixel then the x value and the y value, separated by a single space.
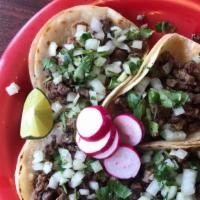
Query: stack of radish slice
pixel 100 138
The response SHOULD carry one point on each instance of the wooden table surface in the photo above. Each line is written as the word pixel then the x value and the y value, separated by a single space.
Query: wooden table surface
pixel 13 15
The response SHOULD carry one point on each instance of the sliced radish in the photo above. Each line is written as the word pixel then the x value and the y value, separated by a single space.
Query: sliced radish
pixel 131 129
pixel 96 147
pixel 93 123
pixel 124 164
pixel 111 150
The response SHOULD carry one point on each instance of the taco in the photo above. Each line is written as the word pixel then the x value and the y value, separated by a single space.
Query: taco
pixel 85 52
pixel 166 95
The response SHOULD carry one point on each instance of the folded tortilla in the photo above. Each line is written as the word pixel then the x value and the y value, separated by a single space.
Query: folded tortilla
pixel 183 50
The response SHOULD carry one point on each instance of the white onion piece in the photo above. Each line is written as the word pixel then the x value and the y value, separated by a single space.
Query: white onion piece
pixel 156 83
pixel 79 155
pixel 124 47
pixel 80 29
pixel 78 165
pixel 144 198
pixel 52 49
pixel 108 47
pixel 56 106
pixel 167 68
pixel 115 68
pixel 97 86
pixel 77 179
pixel 92 44
pixel 68 46
pixel 68 173
pixel 153 188
pixel 171 163
pixel 54 180
pixel 99 62
pixel 12 89
pixel 94 185
pixel 72 196
pixel 173 135
pixel 93 97
pixel 169 192
pixel 47 167
pixel 96 25
pixel 63 180
pixel 181 196
pixel 37 166
pixel 196 59
pixel 122 38
pixel 137 44
pixel 142 85
pixel 65 155
pixel 96 166
pixel 78 52
pixel 178 111
pixel 84 192
pixel 57 80
pixel 140 17
pixel 71 96
pixel 100 35
pixel 179 153
pixel 188 181
pixel 91 196
pixel 38 156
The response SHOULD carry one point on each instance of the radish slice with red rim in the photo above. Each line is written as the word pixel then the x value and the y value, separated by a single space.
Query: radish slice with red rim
pixel 111 150
pixel 95 147
pixel 131 129
pixel 93 123
pixel 124 163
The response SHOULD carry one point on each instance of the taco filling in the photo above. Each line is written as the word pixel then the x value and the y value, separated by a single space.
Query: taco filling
pixel 97 59
pixel 167 100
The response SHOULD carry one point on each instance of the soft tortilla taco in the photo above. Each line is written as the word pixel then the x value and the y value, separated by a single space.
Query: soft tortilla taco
pixel 166 94
pixel 86 50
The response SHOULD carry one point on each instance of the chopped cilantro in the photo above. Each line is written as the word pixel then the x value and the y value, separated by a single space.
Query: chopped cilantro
pixel 143 33
pixel 49 63
pixel 146 32
pixel 67 56
pixel 57 158
pixel 84 37
pixel 153 128
pixel 114 190
pixel 164 26
pixel 113 83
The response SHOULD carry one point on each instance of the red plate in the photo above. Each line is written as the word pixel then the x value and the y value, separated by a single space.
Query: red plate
pixel 185 14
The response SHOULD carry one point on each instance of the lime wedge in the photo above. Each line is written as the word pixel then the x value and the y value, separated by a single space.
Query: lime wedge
pixel 37 116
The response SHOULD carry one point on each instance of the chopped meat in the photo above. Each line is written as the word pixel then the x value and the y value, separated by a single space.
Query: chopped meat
pixel 194 126
pixel 171 82
pixel 62 89
pixel 162 119
pixel 196 37
pixel 119 54
pixel 71 40
pixel 196 99
pixel 193 112
pixel 47 73
pixel 147 175
pixel 137 188
pixel 83 92
pixel 62 197
pixel 49 195
pixel 106 25
pixel 50 149
pixel 178 123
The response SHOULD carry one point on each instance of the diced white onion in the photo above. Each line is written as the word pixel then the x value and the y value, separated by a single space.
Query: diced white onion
pixel 67 165
pixel 181 196
pixel 146 158
pixel 72 196
pixel 124 47
pixel 47 167
pixel 171 163
pixel 38 156
pixel 53 183
pixel 84 192
pixel 96 166
pixel 12 89
pixel 100 35
pixel 63 180
pixel 156 83
pixel 170 135
pixel 115 68
pixel 52 49
pixel 57 80
pixel 169 192
pixel 37 166
pixel 188 181
pixel 65 155
pixel 91 196
pixel 78 165
pixel 179 153
pixel 167 68
pixel 92 44
pixel 97 86
pixel 117 30
pixel 71 96
pixel 153 188
pixel 96 25
pixel 137 44
pixel 77 179
pixel 68 46
pixel 142 85
pixel 178 111
pixel 79 155
pixel 99 62
pixel 78 52
pixel 122 38
pixel 56 106
pixel 108 47
pixel 144 198
pixel 94 185
pixel 68 173
pixel 80 29
pixel 139 17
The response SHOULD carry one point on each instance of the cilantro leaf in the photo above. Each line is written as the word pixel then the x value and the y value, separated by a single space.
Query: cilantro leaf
pixel 164 26
pixel 146 32
pixel 49 63
pixel 84 37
